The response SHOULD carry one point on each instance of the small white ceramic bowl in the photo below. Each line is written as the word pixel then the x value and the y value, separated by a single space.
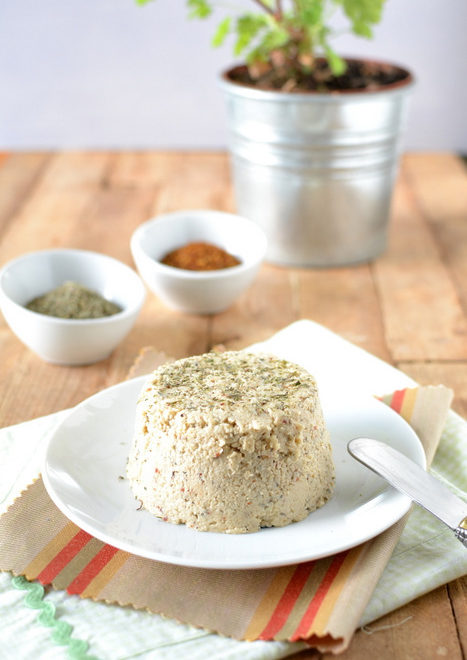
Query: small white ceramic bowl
pixel 69 341
pixel 198 292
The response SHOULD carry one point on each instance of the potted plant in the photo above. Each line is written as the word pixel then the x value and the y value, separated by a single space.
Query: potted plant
pixel 314 137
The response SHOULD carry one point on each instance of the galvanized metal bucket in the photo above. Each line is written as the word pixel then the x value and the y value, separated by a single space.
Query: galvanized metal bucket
pixel 316 171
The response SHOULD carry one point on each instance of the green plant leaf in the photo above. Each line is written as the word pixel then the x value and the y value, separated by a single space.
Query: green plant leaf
pixel 363 14
pixel 362 29
pixel 248 27
pixel 336 63
pixel 273 39
pixel 221 32
pixel 199 9
pixel 310 12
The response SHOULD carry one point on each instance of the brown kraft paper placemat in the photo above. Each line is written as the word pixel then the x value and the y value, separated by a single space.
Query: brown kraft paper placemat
pixel 319 601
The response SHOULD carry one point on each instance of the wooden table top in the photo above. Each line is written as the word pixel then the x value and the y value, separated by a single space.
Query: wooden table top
pixel 409 307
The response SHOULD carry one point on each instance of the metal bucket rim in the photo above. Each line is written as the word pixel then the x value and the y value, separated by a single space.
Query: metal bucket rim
pixel 239 89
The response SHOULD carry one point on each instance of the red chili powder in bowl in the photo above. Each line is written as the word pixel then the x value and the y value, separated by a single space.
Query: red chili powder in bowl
pixel 200 256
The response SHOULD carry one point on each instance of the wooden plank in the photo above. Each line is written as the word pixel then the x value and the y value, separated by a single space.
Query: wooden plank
pixel 197 185
pixel 18 174
pixel 264 309
pixel 451 374
pixel 425 628
pixel 439 186
pixel 458 595
pixel 185 179
pixel 108 220
pixel 50 215
pixel 173 333
pixel 145 168
pixel 423 318
pixel 76 170
pixel 346 301
pixel 31 388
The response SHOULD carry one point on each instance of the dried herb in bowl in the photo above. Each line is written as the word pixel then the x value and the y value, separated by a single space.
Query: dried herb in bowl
pixel 73 301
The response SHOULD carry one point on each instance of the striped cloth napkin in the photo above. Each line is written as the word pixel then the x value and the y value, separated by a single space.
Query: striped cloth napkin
pixel 321 602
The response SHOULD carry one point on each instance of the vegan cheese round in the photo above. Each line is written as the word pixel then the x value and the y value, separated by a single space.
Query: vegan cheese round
pixel 230 442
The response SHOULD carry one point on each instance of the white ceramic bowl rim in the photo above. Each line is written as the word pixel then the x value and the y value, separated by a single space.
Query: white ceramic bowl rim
pixel 128 310
pixel 245 264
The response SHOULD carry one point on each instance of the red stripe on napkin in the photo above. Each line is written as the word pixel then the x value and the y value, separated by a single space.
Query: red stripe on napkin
pixel 304 626
pixel 397 400
pixel 65 555
pixel 287 601
pixel 92 569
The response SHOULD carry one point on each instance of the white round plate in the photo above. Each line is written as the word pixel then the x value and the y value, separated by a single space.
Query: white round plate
pixel 86 459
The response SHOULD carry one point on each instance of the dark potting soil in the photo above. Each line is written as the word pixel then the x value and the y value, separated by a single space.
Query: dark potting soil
pixel 360 75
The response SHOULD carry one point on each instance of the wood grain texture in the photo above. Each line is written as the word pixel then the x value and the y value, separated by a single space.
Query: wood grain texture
pixel 423 629
pixel 268 306
pixel 346 301
pixel 423 317
pixel 457 591
pixel 18 174
pixel 180 180
pixel 52 213
pixel 439 189
pixel 409 307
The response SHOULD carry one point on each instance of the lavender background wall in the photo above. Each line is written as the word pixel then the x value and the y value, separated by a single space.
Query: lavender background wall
pixel 109 74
